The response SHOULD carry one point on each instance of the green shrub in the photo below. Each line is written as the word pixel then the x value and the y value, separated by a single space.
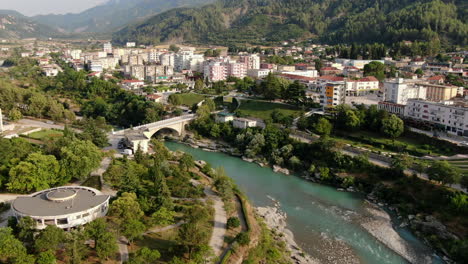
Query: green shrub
pixel 243 238
pixel 233 222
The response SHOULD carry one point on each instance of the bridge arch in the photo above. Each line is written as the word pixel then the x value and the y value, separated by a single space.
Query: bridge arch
pixel 164 131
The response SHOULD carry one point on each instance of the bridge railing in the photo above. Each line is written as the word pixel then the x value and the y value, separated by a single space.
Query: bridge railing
pixel 160 123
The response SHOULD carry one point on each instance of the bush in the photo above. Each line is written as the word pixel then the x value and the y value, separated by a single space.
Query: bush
pixel 233 222
pixel 243 238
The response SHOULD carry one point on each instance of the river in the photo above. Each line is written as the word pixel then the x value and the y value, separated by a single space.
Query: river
pixel 326 223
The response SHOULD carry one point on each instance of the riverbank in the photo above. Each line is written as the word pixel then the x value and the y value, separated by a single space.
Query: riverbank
pixel 390 235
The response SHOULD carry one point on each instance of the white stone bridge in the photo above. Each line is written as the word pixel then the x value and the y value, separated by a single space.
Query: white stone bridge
pixel 139 137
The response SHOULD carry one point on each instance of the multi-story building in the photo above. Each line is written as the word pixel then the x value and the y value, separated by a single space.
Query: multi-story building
pixel 252 62
pixel 75 54
pixel 215 71
pixel 107 47
pixel 138 72
pixel 438 93
pixel 449 116
pixel 362 86
pixel 333 94
pixel 167 59
pixel 238 70
pixel 398 91
pixel 186 60
pixel 154 72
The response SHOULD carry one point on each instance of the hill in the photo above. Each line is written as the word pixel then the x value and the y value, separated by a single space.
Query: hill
pixel 16 25
pixel 331 21
pixel 112 14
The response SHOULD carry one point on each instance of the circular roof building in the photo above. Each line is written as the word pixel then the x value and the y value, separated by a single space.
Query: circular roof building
pixel 64 207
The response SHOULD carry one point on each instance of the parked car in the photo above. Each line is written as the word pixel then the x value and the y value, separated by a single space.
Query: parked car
pixel 127 152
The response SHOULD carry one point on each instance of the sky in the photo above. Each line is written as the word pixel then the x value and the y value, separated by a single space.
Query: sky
pixel 42 7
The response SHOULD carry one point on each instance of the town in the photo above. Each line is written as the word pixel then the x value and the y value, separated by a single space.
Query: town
pixel 195 132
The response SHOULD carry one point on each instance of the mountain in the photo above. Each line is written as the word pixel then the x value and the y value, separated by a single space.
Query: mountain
pixel 15 25
pixel 112 14
pixel 332 21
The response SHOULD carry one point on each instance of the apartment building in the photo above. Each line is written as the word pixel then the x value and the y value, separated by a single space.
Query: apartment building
pixel 362 86
pixel 398 91
pixel 333 94
pixel 449 116
pixel 438 93
pixel 252 62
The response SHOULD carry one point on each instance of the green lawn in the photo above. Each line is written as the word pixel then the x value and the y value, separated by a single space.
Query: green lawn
pixel 263 109
pixel 189 99
pixel 46 134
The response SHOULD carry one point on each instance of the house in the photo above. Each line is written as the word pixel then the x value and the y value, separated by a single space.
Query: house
pixel 438 79
pixel 131 44
pixel 132 84
pixel 330 71
pixel 154 98
pixel 224 117
pixel 362 86
pixel 244 123
pixel 95 74
pixel 258 74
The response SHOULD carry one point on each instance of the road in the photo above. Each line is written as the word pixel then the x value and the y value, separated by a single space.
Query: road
pixel 381 163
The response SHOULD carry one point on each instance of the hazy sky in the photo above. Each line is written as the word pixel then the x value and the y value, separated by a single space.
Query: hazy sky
pixel 35 7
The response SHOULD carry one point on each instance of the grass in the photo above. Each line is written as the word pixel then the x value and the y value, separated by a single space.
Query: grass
pixel 374 141
pixel 462 165
pixel 164 242
pixel 263 109
pixel 46 134
pixel 189 99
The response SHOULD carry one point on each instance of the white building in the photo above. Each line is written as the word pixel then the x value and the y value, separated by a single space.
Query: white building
pixel 308 73
pixel 451 117
pixel 362 86
pixel 244 123
pixel 167 59
pixel 131 44
pixel 252 62
pixel 107 47
pixel 64 207
pixel 333 94
pixel 75 54
pixel 224 117
pixel 258 73
pixel 399 92
pixel 186 60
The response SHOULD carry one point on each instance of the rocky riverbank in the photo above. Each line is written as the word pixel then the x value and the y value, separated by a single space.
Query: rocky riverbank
pixel 276 221
pixel 377 222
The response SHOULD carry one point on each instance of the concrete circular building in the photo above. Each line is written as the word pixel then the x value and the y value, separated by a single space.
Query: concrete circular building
pixel 64 207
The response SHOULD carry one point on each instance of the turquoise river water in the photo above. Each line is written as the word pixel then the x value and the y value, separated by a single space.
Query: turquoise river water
pixel 325 222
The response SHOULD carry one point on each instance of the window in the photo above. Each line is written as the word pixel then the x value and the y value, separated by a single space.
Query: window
pixel 62 221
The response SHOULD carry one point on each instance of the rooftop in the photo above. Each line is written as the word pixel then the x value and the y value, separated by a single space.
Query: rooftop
pixel 59 201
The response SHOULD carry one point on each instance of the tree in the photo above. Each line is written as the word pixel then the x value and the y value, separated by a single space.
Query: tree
pixel 15 115
pixel 392 126
pixel 175 99
pixel 401 162
pixel 443 172
pixel 186 161
pixel 132 229
pixel 323 127
pixel 47 257
pixel 199 85
pixel 75 246
pixel 233 222
pixel 26 227
pixel 174 48
pixel 95 133
pixel 78 159
pixel 49 239
pixel 106 246
pixel 37 172
pixel 126 207
pixel 347 118
pixel 163 216
pixel 96 229
pixel 11 249
pixel 376 69
pixel 296 93
pixel 191 236
pixel 145 256
pixel 161 193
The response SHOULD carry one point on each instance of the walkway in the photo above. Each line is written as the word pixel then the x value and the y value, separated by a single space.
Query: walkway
pixel 123 249
pixel 163 229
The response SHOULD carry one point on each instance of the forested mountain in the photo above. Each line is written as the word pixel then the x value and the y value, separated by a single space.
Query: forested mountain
pixel 112 15
pixel 15 25
pixel 330 21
